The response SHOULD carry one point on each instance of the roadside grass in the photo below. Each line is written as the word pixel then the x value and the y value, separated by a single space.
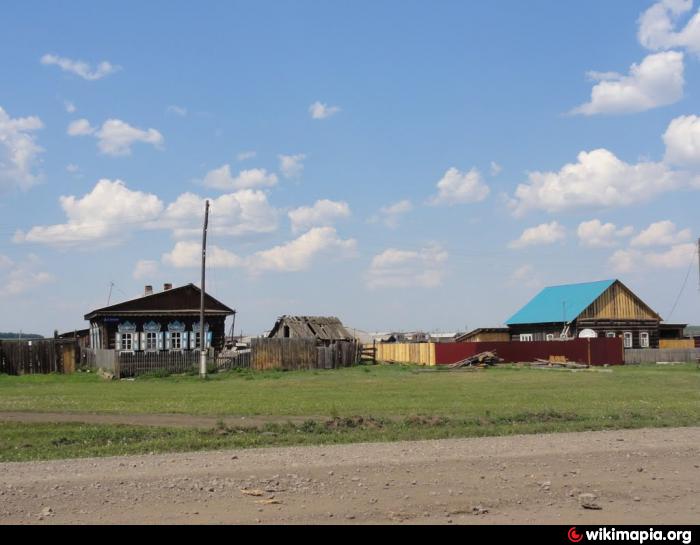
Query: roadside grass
pixel 379 403
pixel 28 442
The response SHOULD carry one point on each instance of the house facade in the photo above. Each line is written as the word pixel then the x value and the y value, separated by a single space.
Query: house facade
pixel 594 309
pixel 162 321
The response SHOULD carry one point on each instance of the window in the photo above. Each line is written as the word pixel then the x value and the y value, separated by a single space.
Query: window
pixel 644 339
pixel 610 334
pixel 151 341
pixel 550 336
pixel 176 340
pixel 526 337
pixel 127 341
pixel 628 339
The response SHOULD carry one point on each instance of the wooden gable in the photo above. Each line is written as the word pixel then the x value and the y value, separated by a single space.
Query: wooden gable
pixel 185 299
pixel 618 302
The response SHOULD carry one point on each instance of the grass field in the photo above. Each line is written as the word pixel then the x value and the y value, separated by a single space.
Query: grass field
pixel 395 402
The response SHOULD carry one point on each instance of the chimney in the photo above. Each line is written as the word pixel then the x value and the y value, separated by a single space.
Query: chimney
pixel 167 287
pixel 148 290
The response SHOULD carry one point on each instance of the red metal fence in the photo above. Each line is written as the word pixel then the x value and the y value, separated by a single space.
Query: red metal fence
pixel 601 351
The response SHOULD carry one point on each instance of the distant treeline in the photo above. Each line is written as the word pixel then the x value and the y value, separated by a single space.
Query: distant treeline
pixel 9 335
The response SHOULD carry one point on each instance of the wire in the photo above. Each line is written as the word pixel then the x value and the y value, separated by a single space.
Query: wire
pixel 685 281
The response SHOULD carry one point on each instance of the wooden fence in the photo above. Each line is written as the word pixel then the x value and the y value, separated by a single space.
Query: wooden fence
pixel 37 356
pixel 419 353
pixel 655 355
pixel 123 365
pixel 676 344
pixel 297 354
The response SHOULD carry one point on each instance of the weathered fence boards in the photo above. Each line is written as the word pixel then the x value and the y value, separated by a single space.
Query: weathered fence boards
pixel 419 353
pixel 297 354
pixel 36 356
pixel 141 363
pixel 655 355
pixel 233 360
pixel 127 364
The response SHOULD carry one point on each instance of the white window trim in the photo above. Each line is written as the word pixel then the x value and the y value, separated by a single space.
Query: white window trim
pixel 549 337
pixel 644 339
pixel 527 337
pixel 610 335
pixel 628 335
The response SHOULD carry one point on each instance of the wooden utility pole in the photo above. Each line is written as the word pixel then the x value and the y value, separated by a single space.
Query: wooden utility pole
pixel 202 332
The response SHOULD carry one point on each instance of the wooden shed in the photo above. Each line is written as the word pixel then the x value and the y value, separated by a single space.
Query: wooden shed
pixel 325 329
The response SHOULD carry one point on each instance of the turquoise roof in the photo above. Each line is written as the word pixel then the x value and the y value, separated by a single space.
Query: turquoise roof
pixel 557 304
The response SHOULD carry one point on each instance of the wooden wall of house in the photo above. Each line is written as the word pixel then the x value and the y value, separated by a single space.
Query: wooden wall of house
pixel 108 330
pixel 490 337
pixel 618 303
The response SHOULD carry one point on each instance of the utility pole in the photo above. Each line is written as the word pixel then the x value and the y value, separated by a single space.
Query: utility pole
pixel 202 333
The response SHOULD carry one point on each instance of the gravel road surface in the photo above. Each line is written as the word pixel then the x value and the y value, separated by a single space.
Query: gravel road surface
pixel 649 476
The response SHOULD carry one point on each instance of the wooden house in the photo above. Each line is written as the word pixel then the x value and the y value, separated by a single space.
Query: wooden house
pixel 485 334
pixel 162 321
pixel 326 330
pixel 606 308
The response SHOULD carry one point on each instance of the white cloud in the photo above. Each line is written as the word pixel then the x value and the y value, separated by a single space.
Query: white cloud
pixel 107 215
pixel 177 110
pixel 72 168
pixel 18 278
pixel 631 260
pixel 245 155
pixel 296 255
pixel 19 151
pixel 299 254
pixel 595 234
pixel 116 137
pixel 221 178
pixel 69 106
pixel 244 212
pixel 80 127
pixel 598 179
pixel 324 212
pixel 390 214
pixel 80 68
pixel 456 187
pixel 545 233
pixel 319 110
pixel 658 23
pixel 525 275
pixel 661 233
pixel 394 268
pixel 189 255
pixel 657 81
pixel 291 166
pixel 682 139
pixel 145 268
pixel 495 168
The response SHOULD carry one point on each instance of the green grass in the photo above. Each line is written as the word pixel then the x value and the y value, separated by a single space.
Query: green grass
pixel 460 404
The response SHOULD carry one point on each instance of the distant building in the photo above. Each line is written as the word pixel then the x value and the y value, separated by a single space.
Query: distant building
pixel 485 334
pixel 593 309
pixel 443 337
pixel 167 320
pixel 326 330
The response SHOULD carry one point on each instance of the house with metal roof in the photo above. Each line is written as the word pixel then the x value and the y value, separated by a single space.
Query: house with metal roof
pixel 159 321
pixel 605 308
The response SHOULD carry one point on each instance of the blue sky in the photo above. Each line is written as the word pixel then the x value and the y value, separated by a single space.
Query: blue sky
pixel 401 165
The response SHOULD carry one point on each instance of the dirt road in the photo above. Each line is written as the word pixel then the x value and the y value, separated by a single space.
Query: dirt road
pixel 639 476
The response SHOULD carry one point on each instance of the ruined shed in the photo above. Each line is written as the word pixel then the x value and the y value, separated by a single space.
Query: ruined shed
pixel 326 330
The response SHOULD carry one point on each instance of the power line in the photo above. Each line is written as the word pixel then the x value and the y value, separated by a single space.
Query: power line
pixel 685 281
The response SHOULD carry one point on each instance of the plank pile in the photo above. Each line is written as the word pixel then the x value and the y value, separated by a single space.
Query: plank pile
pixel 481 360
